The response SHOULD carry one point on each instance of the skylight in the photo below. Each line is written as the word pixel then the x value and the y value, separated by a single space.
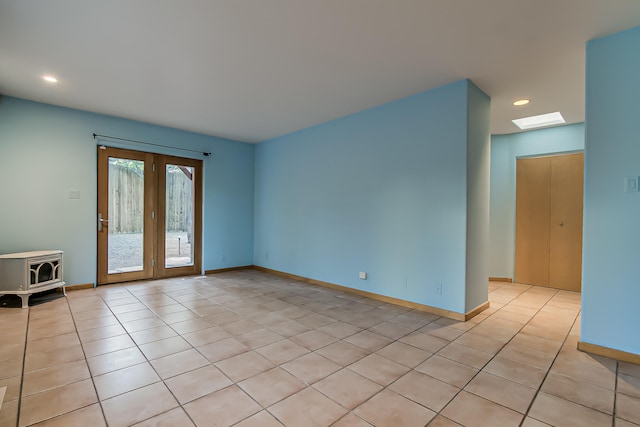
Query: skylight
pixel 539 121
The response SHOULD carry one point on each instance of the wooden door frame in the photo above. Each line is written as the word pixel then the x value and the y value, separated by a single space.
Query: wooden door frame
pixel 154 216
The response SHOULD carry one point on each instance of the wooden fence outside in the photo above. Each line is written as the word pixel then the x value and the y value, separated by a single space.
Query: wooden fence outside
pixel 126 200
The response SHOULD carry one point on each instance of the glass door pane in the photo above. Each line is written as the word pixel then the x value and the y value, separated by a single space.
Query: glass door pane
pixel 126 215
pixel 149 215
pixel 179 215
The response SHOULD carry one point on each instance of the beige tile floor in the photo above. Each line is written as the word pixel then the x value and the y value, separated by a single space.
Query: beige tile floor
pixel 252 349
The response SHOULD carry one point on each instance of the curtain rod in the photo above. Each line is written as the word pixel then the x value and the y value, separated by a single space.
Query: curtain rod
pixel 204 153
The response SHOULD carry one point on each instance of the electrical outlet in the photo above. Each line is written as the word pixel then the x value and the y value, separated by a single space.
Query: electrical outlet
pixel 223 257
pixel 439 288
pixel 363 275
pixel 405 281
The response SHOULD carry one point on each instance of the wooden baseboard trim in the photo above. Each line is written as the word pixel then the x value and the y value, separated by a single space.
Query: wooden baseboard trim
pixel 500 279
pixel 224 270
pixel 609 352
pixel 479 309
pixel 79 286
pixel 391 300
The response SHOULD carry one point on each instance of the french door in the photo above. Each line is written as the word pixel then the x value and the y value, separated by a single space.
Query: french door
pixel 149 215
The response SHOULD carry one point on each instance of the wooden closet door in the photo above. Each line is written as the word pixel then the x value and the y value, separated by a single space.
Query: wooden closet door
pixel 532 220
pixel 565 244
pixel 549 198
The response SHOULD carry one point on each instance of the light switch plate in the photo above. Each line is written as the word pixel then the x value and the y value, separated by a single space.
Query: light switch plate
pixel 74 194
pixel 631 184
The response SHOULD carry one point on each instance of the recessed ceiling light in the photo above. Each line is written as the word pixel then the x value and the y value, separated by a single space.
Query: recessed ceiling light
pixel 539 121
pixel 523 101
pixel 50 79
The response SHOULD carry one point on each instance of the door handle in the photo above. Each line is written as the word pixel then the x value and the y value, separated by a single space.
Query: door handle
pixel 561 224
pixel 101 221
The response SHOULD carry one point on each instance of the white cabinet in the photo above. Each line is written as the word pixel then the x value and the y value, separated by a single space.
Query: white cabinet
pixel 26 273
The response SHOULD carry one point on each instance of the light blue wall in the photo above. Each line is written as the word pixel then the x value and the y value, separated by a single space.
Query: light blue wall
pixel 45 151
pixel 611 256
pixel 505 150
pixel 382 191
pixel 478 164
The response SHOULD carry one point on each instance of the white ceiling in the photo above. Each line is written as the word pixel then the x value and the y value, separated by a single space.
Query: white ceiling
pixel 251 70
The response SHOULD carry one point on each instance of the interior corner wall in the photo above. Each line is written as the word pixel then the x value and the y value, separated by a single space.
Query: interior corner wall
pixel 611 267
pixel 46 151
pixel 505 150
pixel 478 164
pixel 383 191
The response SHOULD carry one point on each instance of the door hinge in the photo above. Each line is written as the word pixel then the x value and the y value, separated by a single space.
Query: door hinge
pixel 153 262
pixel 153 167
pixel 153 214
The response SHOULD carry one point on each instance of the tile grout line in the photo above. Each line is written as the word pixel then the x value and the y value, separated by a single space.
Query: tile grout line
pixel 84 353
pixel 310 351
pixel 386 387
pixel 137 346
pixel 24 360
pixel 494 356
pixel 588 383
pixel 503 346
pixel 74 382
pixel 86 360
pixel 310 386
pixel 307 386
pixel 163 380
pixel 120 322
pixel 615 394
pixel 180 405
pixel 313 351
pixel 469 331
pixel 438 413
pixel 551 365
